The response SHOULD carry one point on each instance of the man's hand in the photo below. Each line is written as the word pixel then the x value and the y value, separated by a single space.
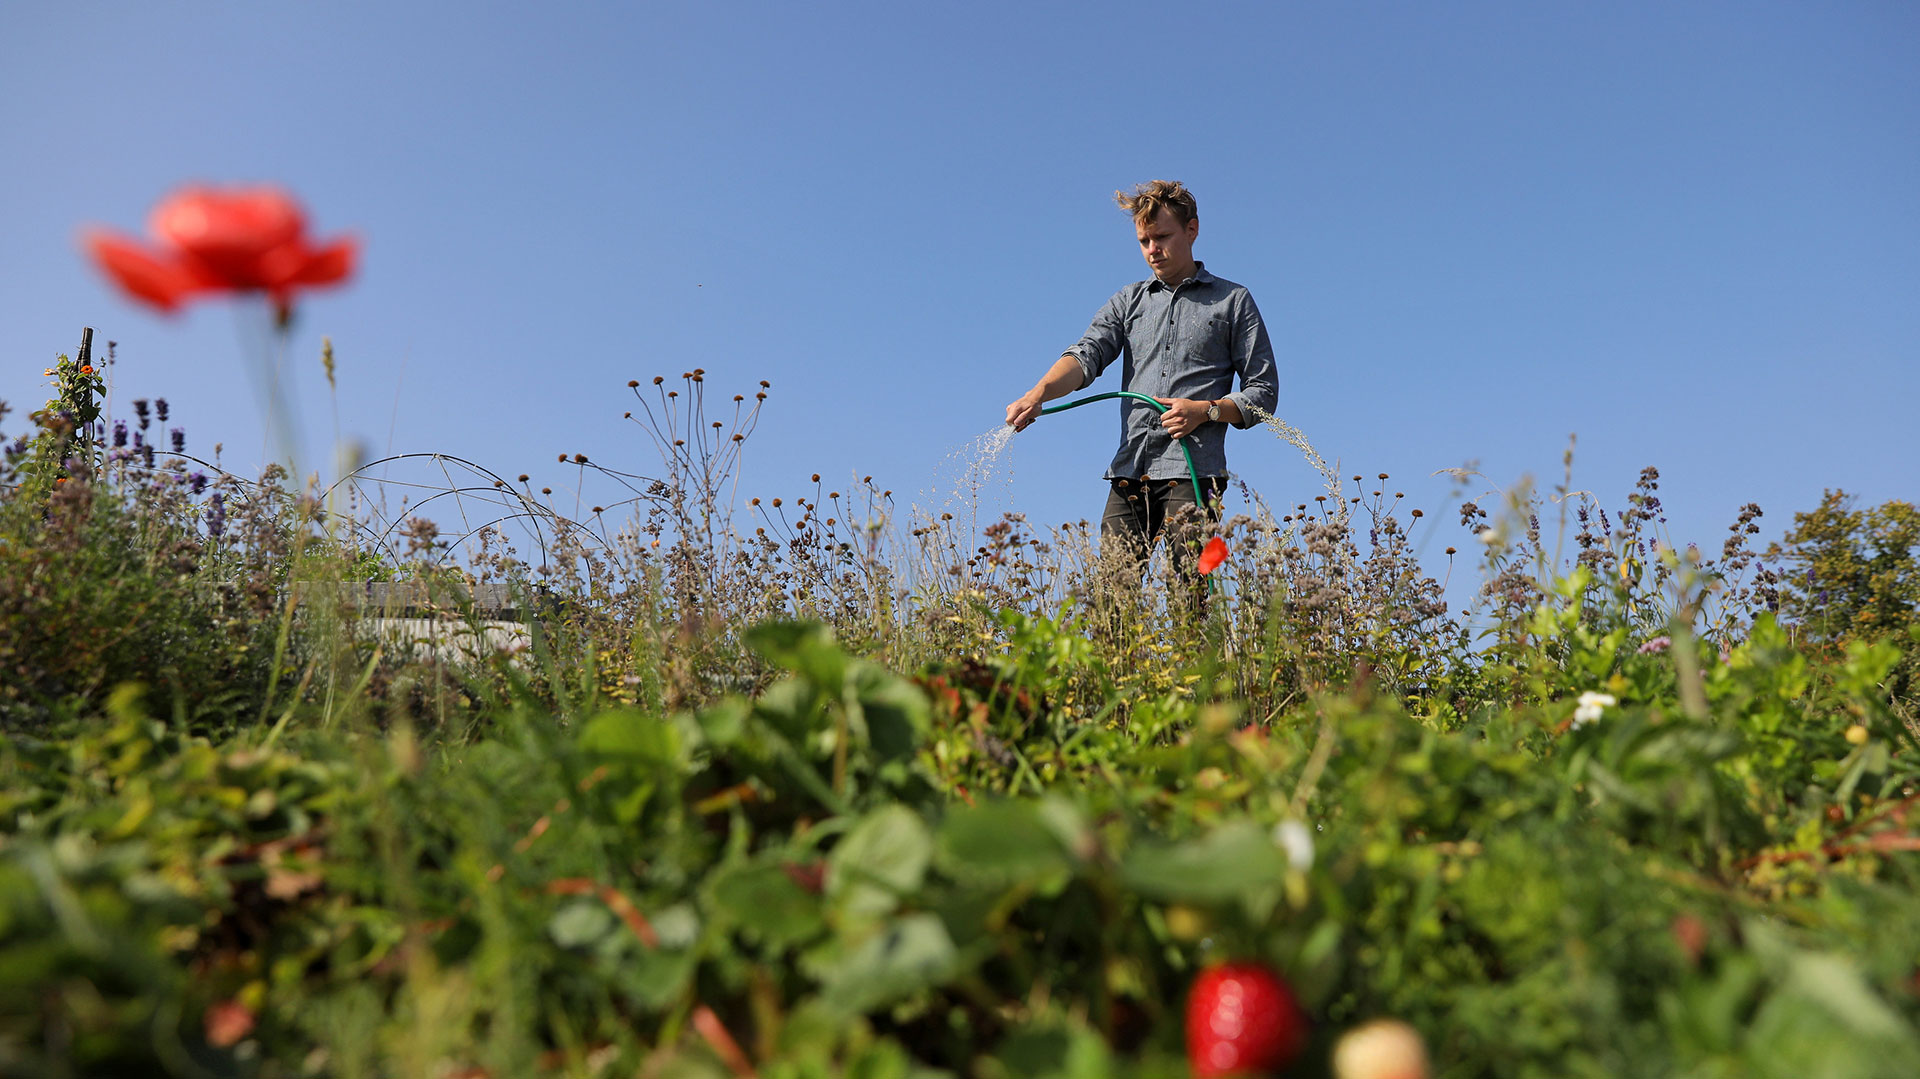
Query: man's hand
pixel 1024 410
pixel 1062 378
pixel 1182 417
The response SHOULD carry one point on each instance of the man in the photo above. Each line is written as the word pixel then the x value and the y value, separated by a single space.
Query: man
pixel 1182 336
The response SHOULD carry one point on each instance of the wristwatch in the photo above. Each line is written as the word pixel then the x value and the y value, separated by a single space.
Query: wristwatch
pixel 1213 412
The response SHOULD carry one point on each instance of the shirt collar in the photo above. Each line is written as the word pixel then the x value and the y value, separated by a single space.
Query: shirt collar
pixel 1200 277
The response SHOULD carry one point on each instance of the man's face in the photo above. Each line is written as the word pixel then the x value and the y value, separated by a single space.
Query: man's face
pixel 1167 245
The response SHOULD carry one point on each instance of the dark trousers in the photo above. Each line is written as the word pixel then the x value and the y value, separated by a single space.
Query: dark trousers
pixel 1141 511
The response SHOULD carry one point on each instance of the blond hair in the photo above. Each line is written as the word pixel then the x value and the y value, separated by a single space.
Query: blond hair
pixel 1148 199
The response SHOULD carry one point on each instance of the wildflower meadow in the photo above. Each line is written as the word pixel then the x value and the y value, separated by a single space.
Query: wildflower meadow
pixel 318 780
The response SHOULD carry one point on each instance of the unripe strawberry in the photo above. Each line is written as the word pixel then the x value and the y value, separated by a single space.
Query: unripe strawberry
pixel 1382 1049
pixel 1242 1020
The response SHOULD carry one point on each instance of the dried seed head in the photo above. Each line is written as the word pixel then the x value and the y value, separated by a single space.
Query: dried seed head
pixel 579 458
pixel 562 458
pixel 765 385
pixel 632 383
pixel 658 379
pixel 523 477
pixel 776 503
pixel 546 490
pixel 816 477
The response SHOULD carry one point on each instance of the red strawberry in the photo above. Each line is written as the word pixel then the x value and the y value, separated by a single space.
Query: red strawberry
pixel 1242 1020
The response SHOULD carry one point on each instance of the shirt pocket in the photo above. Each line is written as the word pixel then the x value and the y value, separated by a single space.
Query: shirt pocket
pixel 1215 346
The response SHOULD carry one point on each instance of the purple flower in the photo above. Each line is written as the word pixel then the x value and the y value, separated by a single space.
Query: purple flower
pixel 160 408
pixel 216 514
pixel 179 439
pixel 199 482
pixel 140 410
pixel 119 433
pixel 1656 646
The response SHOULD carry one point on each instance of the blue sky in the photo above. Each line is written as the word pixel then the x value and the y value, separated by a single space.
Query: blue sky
pixel 1686 232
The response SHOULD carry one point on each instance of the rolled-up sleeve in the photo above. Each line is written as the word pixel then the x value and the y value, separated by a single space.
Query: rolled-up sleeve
pixel 1253 361
pixel 1104 339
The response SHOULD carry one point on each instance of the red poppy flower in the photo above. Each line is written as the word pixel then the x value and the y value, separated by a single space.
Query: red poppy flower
pixel 1212 555
pixel 244 239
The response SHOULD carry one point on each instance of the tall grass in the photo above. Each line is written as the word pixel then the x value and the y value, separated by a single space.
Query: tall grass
pixel 814 785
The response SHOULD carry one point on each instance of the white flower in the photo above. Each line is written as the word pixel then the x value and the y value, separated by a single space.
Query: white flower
pixel 1292 836
pixel 1489 536
pixel 1590 706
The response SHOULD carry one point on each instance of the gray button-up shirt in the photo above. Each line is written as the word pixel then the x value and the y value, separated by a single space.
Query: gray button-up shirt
pixel 1187 340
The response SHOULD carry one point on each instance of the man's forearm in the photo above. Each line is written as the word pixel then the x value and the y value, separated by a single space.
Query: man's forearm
pixel 1064 377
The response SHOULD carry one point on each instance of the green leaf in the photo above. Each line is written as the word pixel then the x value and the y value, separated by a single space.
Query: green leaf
pixel 903 958
pixel 580 923
pixel 895 711
pixel 724 722
pixel 657 977
pixel 1005 843
pixel 1234 860
pixel 883 858
pixel 766 904
pixel 805 648
pixel 792 707
pixel 644 742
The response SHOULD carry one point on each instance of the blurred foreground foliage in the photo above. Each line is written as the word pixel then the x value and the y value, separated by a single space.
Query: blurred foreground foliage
pixel 1627 829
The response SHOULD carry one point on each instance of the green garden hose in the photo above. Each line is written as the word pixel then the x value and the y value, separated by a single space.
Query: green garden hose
pixel 1199 500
